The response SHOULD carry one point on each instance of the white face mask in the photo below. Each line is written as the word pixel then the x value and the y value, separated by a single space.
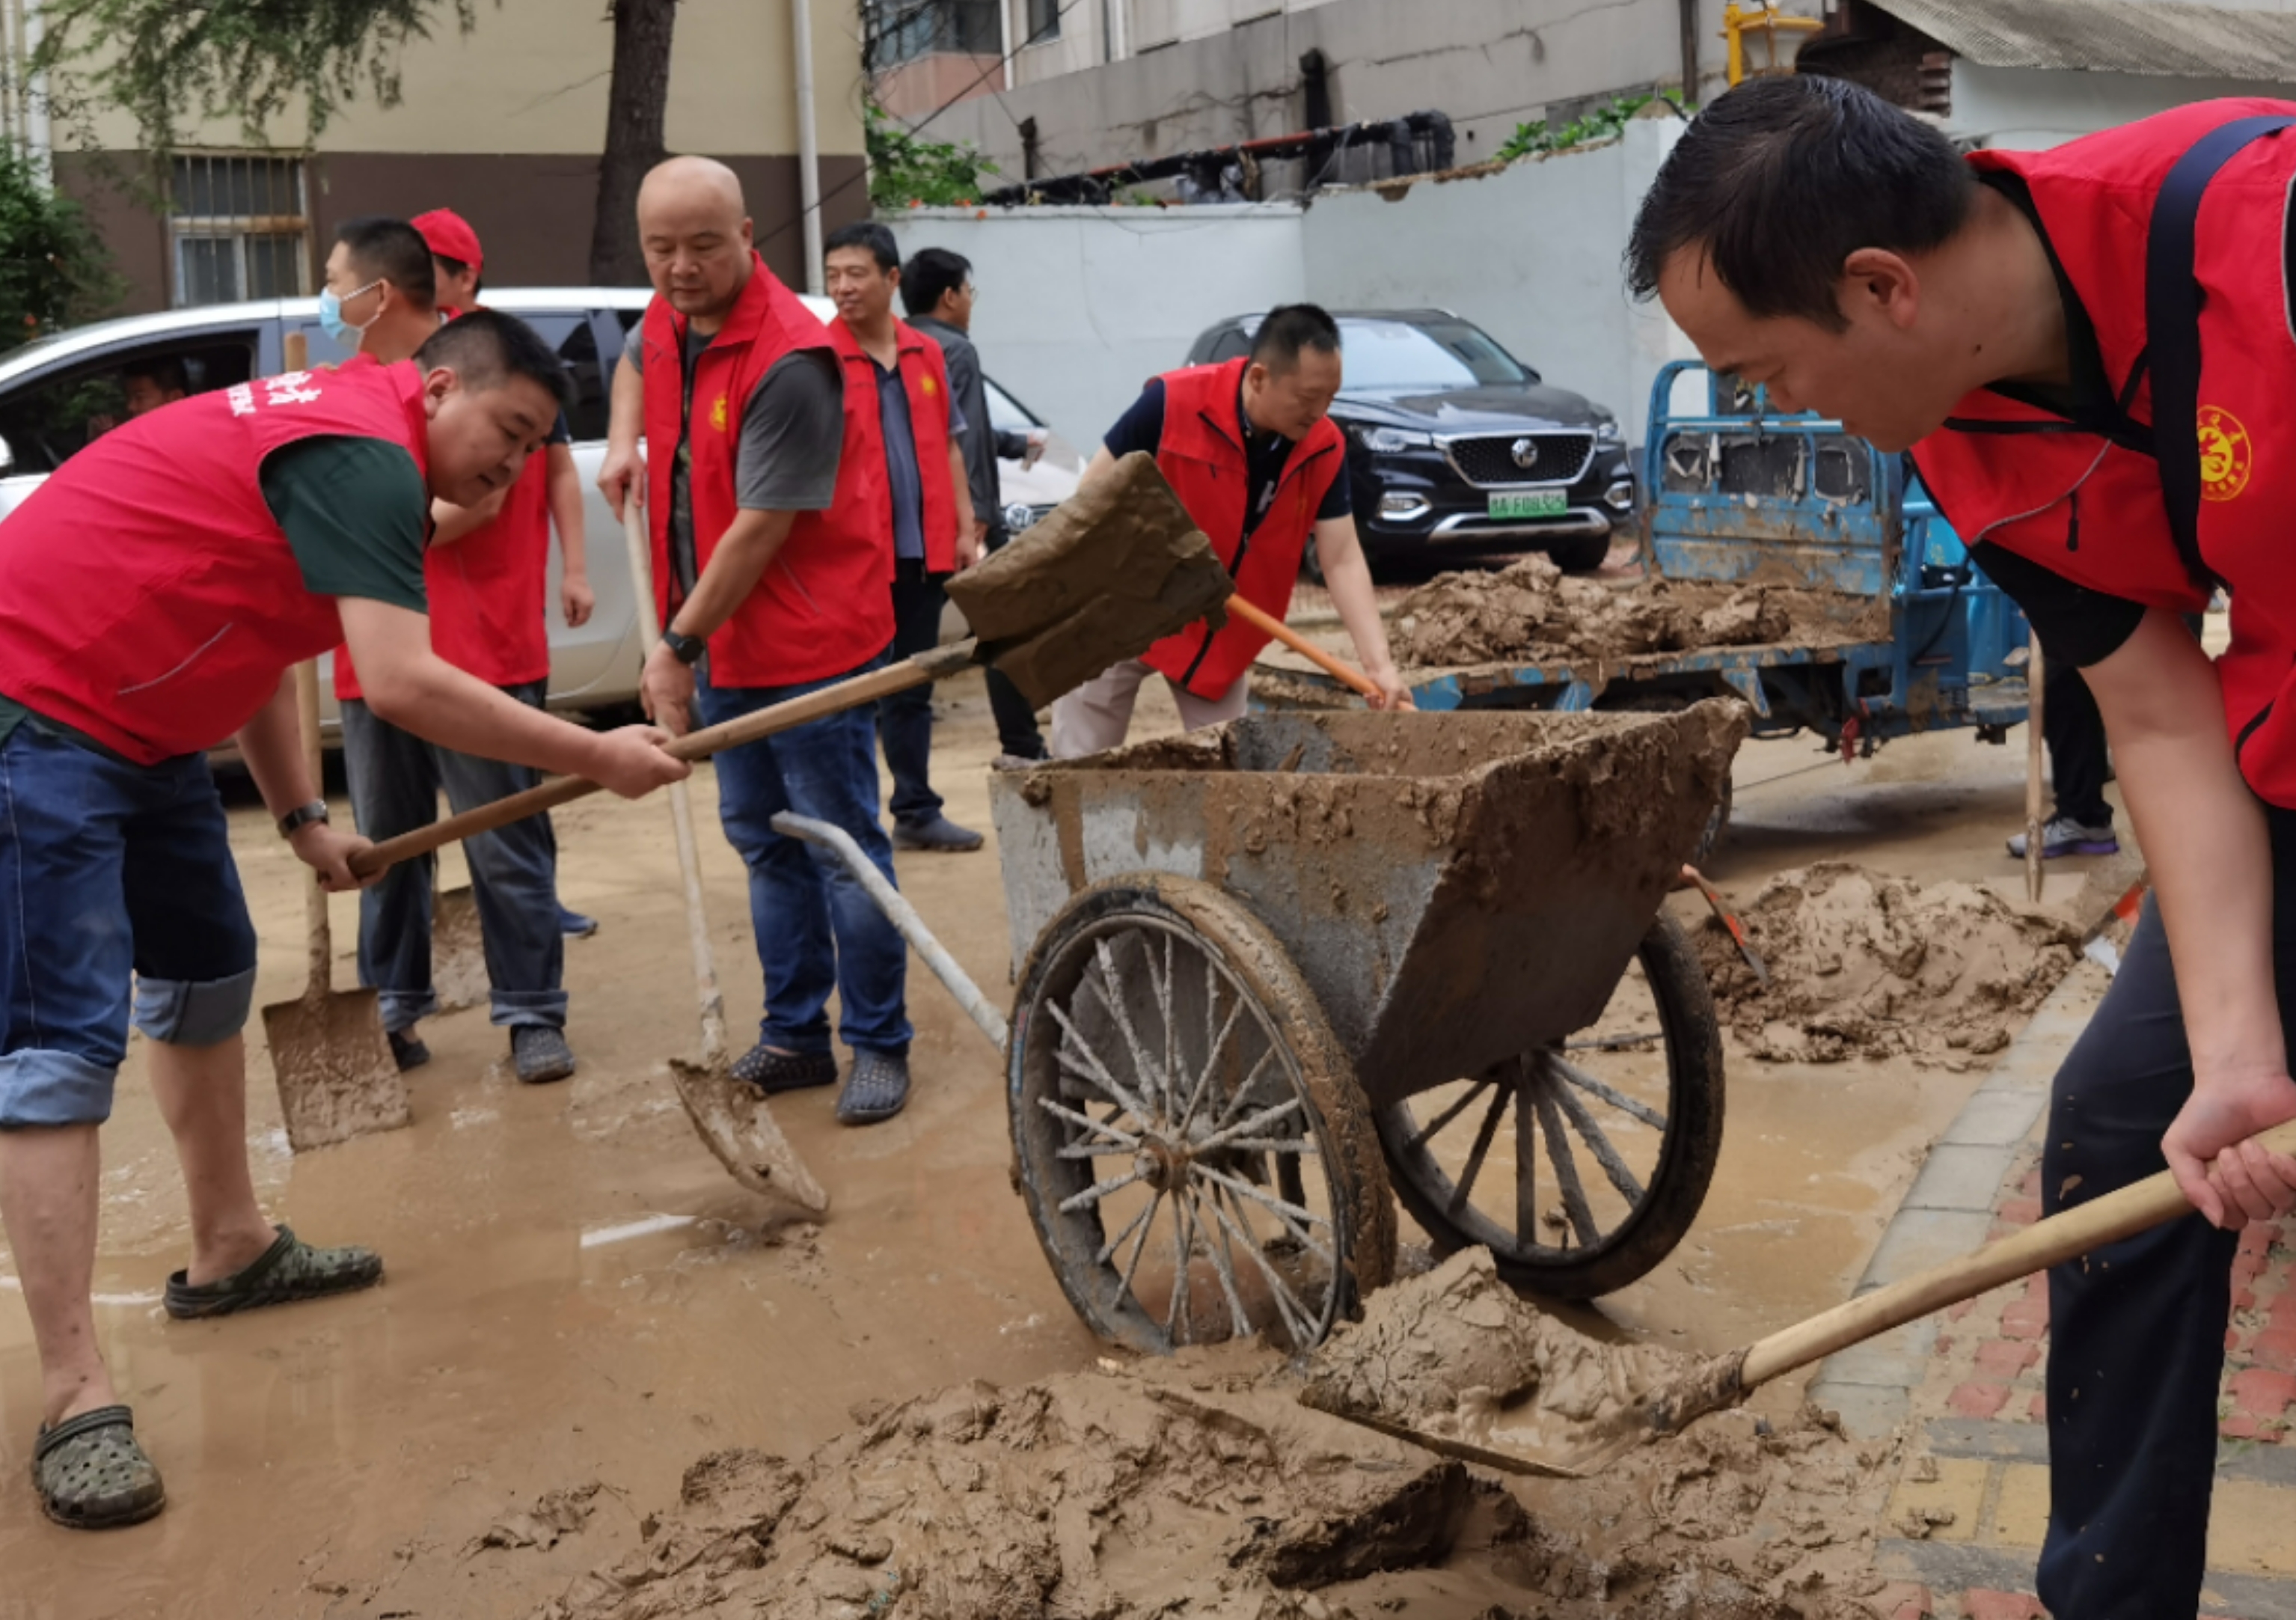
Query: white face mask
pixel 330 314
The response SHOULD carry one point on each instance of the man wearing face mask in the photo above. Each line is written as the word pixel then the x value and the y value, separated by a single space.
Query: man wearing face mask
pixel 483 576
pixel 1250 449
pixel 231 553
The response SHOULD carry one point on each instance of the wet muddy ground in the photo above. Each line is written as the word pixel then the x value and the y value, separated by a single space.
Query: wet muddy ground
pixel 577 1292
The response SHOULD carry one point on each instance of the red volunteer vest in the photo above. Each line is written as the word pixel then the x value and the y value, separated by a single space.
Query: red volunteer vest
pixel 924 378
pixel 1201 456
pixel 486 591
pixel 147 596
pixel 2084 498
pixel 826 605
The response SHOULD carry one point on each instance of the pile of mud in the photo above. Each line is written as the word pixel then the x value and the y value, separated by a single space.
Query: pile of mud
pixel 1201 1487
pixel 1865 965
pixel 1532 612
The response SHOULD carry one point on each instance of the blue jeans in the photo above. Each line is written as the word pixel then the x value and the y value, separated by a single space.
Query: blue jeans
pixel 111 874
pixel 395 778
pixel 817 928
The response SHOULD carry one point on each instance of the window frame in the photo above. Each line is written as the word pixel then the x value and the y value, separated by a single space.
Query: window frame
pixel 239 230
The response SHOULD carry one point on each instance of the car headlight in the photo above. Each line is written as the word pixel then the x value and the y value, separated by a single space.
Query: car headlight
pixel 1388 440
pixel 1607 431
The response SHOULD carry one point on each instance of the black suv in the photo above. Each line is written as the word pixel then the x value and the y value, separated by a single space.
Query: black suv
pixel 1457 450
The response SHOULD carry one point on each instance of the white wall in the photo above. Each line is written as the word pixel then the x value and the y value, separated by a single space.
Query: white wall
pixel 1079 306
pixel 2029 109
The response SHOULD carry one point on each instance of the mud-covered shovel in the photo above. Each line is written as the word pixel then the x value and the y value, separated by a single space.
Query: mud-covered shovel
pixel 337 1078
pixel 731 1117
pixel 1488 1369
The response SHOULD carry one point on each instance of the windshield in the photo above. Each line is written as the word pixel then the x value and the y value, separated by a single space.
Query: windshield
pixel 1007 415
pixel 1431 354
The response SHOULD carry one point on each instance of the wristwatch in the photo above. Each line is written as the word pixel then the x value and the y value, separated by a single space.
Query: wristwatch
pixel 295 820
pixel 685 649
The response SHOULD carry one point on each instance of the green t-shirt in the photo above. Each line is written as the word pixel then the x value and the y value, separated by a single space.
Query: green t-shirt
pixel 358 516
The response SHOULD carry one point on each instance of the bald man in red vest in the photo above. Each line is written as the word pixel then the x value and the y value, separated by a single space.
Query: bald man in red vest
pixel 1249 447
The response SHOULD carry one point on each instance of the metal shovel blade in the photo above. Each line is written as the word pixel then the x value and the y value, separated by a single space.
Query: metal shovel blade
pixel 733 1120
pixel 458 951
pixel 337 1078
pixel 1102 578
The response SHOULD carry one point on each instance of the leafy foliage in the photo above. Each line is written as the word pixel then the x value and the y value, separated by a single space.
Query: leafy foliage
pixel 54 270
pixel 1603 124
pixel 164 60
pixel 906 171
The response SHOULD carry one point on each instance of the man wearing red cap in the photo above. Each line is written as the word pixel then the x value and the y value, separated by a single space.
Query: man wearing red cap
pixel 456 257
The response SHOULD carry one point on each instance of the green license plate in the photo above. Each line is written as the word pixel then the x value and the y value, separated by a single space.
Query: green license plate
pixel 1532 503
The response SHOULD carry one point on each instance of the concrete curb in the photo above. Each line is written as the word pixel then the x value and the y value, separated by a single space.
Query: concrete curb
pixel 1949 1210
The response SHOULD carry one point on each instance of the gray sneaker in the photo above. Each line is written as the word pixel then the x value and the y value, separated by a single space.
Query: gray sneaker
pixel 940 834
pixel 2063 835
pixel 540 1054
pixel 876 1089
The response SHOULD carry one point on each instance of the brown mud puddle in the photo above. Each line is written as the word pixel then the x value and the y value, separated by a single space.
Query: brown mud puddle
pixel 1531 612
pixel 1864 965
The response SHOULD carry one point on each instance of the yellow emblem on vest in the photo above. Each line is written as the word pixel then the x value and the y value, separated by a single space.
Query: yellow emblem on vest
pixel 930 387
pixel 718 414
pixel 2226 456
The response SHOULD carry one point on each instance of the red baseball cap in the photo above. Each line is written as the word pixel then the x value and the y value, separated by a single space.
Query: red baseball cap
pixel 449 235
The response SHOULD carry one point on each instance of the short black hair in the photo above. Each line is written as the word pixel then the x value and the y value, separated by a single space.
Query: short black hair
pixel 930 275
pixel 1780 180
pixel 165 372
pixel 1287 329
pixel 487 349
pixel 866 234
pixel 391 251
pixel 455 267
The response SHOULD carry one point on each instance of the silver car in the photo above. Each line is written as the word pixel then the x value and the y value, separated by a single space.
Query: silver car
pixel 58 392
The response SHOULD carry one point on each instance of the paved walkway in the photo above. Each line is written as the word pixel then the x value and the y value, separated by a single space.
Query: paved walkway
pixel 1966 1519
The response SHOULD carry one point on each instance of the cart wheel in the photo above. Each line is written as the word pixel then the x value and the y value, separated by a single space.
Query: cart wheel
pixel 1189 1136
pixel 1637 1093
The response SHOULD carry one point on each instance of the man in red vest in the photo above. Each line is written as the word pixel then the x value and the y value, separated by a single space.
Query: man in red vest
pixel 926 517
pixel 484 575
pixel 2112 445
pixel 1249 447
pixel 242 531
pixel 760 476
pixel 458 263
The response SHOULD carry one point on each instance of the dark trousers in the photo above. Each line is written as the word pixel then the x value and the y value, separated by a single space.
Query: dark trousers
pixel 2137 1330
pixel 395 778
pixel 1016 717
pixel 2079 760
pixel 905 719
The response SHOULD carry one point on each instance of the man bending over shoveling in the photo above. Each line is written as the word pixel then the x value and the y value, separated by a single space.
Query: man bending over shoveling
pixel 153 595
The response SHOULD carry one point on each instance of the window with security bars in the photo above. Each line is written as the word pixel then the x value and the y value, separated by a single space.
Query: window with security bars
pixel 240 229
pixel 903 31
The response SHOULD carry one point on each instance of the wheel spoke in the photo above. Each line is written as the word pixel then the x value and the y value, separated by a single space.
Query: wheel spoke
pixel 1566 1169
pixel 1211 1061
pixel 1099 1070
pixel 1526 1167
pixel 1483 1135
pixel 1296 1316
pixel 1268 1144
pixel 1617 1098
pixel 1257 1122
pixel 1243 1092
pixel 1097 1191
pixel 1171 1036
pixel 1222 1258
pixel 1605 1154
pixel 1266 1200
pixel 1614 1043
pixel 1076 1151
pixel 1111 996
pixel 1147 1222
pixel 1446 1116
pixel 1108 1250
pixel 1183 1245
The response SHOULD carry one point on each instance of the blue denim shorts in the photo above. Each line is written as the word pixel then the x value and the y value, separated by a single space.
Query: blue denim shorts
pixel 114 877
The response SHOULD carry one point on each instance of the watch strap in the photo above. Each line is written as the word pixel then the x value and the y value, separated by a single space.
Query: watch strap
pixel 685 648
pixel 295 820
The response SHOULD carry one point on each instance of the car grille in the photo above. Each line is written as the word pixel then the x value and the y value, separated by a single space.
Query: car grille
pixel 1561 458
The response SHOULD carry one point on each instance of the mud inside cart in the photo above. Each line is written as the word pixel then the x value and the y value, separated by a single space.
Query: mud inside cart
pixel 1264 969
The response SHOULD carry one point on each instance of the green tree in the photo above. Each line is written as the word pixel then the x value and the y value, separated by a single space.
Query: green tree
pixel 54 270
pixel 163 61
pixel 906 171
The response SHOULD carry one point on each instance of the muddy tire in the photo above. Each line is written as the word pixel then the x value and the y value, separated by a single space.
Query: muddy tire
pixel 1609 1143
pixel 1187 1133
pixel 1582 555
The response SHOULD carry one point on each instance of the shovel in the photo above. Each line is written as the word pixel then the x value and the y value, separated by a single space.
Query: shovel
pixel 732 1118
pixel 1720 1382
pixel 337 1078
pixel 1107 575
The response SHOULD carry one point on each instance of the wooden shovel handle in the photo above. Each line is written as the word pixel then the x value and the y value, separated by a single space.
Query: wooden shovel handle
pixel 2135 1208
pixel 1269 624
pixel 920 670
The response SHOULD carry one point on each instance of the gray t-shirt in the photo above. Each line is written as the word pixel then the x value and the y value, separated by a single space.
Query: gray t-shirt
pixel 792 434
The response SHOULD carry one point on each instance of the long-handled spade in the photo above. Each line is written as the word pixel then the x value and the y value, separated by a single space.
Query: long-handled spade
pixel 1105 576
pixel 732 1118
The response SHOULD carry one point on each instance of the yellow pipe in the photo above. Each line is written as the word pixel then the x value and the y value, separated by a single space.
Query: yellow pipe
pixel 1737 22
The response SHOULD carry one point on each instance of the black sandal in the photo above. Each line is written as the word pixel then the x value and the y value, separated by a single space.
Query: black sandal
pixel 91 1475
pixel 290 1270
